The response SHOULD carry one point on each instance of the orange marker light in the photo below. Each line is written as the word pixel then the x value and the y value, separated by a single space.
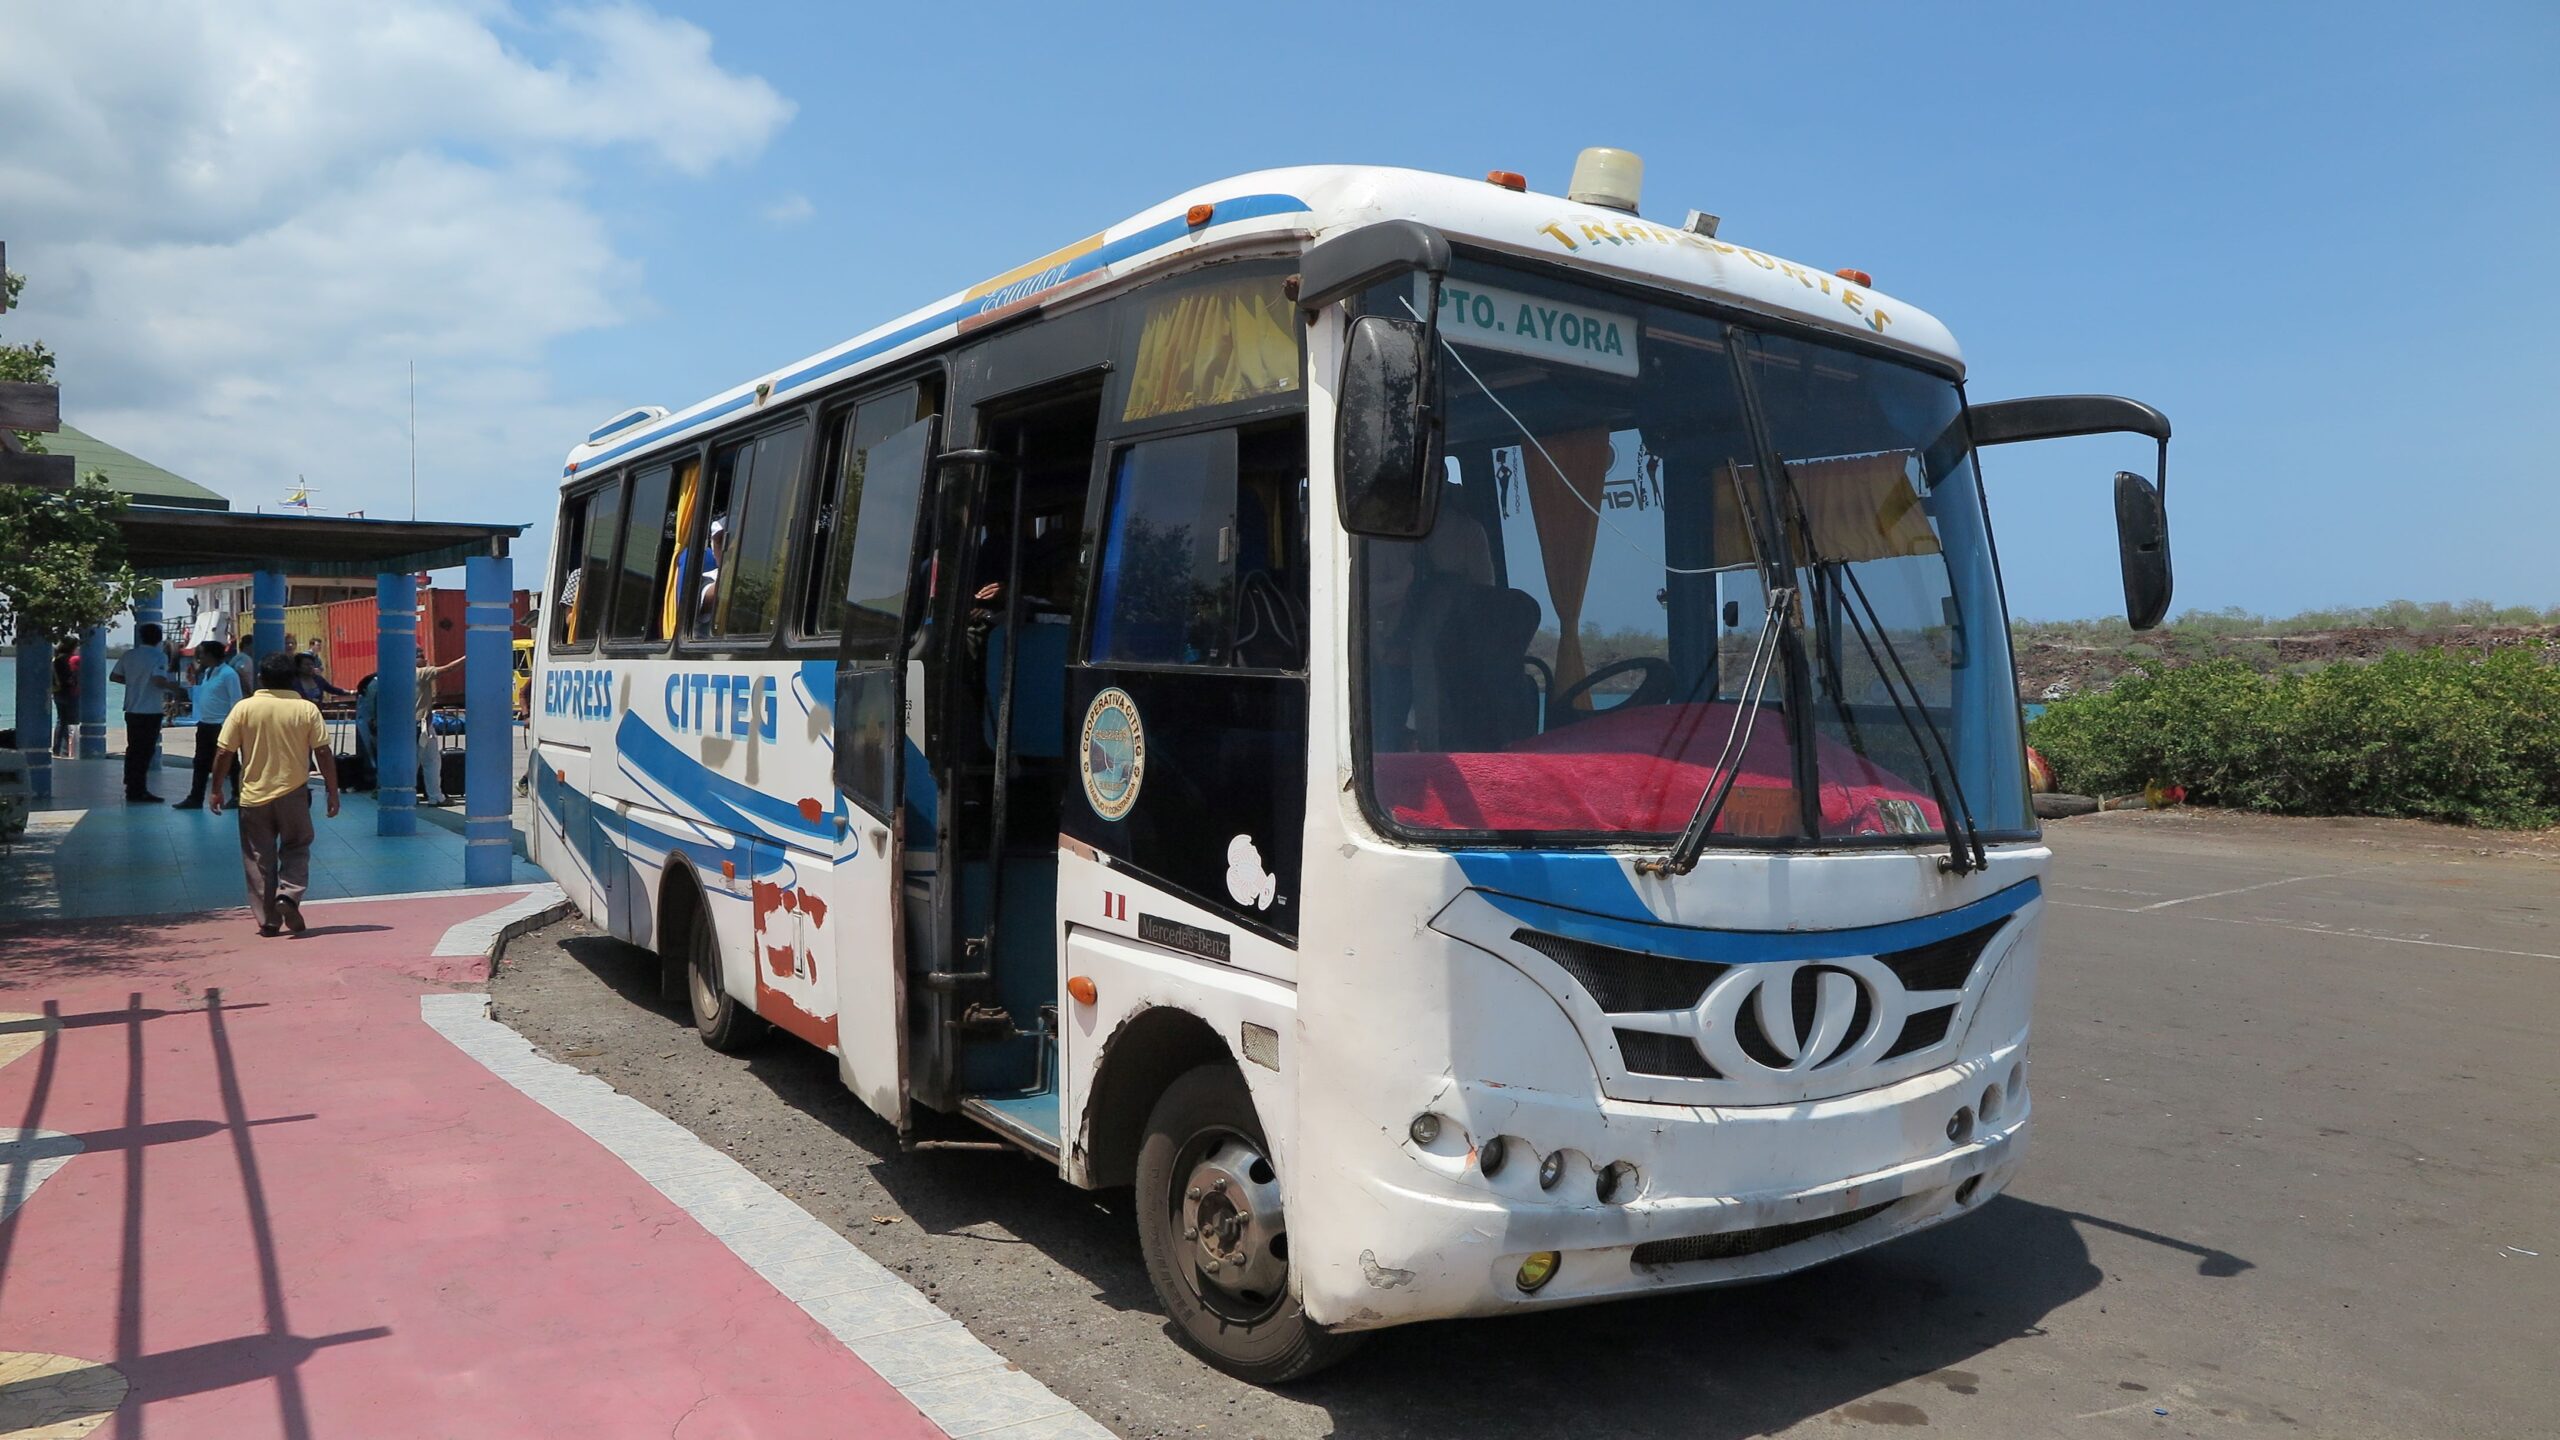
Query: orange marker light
pixel 1198 215
pixel 1855 277
pixel 1081 987
pixel 1507 179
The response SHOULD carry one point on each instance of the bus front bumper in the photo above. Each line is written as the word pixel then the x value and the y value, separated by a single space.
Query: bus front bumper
pixel 1716 1197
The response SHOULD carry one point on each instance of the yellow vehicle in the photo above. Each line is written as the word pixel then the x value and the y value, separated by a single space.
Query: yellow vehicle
pixel 523 662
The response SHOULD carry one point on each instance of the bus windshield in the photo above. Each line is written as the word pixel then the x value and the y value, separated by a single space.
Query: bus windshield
pixel 1569 653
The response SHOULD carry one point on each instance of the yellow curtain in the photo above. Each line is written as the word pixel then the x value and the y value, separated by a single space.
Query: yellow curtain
pixel 1213 345
pixel 687 499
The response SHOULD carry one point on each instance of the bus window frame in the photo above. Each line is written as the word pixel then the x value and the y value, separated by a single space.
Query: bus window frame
pixel 688 644
pixel 584 493
pixel 1097 520
pixel 831 408
pixel 673 457
pixel 1112 434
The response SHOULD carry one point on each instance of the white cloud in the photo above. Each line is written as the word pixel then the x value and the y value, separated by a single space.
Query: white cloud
pixel 790 209
pixel 242 221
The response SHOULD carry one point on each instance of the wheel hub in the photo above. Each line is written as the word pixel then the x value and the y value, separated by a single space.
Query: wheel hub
pixel 1233 1221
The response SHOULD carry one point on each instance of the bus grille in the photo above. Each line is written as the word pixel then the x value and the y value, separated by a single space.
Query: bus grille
pixel 1735 1244
pixel 1626 982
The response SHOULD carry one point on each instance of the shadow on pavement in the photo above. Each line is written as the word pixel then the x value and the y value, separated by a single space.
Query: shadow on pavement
pixel 1737 1362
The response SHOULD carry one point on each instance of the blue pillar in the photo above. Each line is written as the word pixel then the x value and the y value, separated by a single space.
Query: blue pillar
pixel 488 720
pixel 146 611
pixel 395 703
pixel 93 694
pixel 266 593
pixel 35 709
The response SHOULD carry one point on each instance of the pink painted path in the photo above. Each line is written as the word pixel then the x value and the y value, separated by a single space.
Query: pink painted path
pixel 300 1212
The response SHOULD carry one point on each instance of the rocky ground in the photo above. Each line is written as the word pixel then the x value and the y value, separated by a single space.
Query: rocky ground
pixel 2059 660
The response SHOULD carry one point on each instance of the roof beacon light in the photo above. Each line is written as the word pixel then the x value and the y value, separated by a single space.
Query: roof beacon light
pixel 1610 178
pixel 1507 179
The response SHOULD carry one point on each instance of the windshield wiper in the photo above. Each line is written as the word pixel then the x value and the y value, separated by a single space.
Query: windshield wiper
pixel 1683 855
pixel 1964 852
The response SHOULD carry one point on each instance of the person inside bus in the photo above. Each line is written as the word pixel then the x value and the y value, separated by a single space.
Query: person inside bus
pixel 704 608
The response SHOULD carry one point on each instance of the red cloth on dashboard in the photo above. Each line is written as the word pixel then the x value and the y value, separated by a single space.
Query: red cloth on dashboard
pixel 1638 771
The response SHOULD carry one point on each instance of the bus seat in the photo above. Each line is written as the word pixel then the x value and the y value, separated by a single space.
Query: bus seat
pixel 1040 700
pixel 1471 661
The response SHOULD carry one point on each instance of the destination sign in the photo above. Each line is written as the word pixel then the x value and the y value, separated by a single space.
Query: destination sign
pixel 1538 327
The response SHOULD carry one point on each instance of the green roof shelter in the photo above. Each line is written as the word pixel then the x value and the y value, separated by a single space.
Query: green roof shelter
pixel 146 483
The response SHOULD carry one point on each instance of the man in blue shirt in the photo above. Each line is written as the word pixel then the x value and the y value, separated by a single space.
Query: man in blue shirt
pixel 217 690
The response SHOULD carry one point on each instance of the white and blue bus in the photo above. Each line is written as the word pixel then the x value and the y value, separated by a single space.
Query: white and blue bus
pixel 1462 742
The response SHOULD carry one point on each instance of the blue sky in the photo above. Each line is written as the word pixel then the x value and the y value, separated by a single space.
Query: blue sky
pixel 2313 235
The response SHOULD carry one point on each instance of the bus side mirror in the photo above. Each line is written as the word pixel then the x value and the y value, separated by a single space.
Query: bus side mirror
pixel 2142 543
pixel 1383 426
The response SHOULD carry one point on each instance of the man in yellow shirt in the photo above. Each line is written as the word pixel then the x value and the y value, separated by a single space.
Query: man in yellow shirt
pixel 275 736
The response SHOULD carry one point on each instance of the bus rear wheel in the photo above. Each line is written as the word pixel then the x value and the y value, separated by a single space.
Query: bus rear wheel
pixel 723 1023
pixel 1214 1232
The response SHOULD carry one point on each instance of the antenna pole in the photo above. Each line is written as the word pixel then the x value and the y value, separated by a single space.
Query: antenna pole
pixel 413 439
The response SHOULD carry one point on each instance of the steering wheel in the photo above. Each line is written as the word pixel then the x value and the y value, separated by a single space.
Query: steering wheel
pixel 1653 689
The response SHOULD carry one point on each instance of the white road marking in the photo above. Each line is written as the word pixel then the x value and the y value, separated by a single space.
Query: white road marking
pixel 2245 889
pixel 2313 930
pixel 953 1377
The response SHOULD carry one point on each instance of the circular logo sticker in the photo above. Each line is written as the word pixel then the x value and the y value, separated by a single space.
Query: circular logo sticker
pixel 1115 753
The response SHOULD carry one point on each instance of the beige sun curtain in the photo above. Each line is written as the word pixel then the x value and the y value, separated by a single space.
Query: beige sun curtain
pixel 1860 507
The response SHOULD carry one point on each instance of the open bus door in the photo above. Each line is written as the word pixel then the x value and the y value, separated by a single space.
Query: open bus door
pixel 882 603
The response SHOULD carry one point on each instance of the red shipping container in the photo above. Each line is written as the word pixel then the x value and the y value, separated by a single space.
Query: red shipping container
pixel 353 634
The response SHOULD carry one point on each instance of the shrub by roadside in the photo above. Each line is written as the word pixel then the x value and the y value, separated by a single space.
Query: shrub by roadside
pixel 2435 734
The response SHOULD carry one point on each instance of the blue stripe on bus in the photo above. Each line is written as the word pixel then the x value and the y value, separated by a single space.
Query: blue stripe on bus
pixel 1585 881
pixel 720 800
pixel 1229 212
pixel 1743 947
pixel 596 831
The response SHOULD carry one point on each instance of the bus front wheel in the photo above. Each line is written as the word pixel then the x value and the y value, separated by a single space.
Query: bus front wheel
pixel 724 1024
pixel 1215 1233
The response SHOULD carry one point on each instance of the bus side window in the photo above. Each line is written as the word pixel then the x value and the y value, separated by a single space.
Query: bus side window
pixel 852 435
pixel 589 524
pixel 751 490
pixel 648 538
pixel 878 603
pixel 567 579
pixel 1204 551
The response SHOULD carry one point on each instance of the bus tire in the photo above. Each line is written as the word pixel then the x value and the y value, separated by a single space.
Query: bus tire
pixel 723 1023
pixel 1213 1229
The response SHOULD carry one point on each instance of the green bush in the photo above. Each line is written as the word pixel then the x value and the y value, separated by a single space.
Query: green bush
pixel 2433 734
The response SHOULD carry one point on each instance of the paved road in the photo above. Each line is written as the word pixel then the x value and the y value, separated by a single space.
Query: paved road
pixel 2298 1089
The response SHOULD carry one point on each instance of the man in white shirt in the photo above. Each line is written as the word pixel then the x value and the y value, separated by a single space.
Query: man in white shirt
pixel 144 673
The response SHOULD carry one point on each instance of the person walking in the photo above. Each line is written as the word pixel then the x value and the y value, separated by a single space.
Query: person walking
pixel 143 671
pixel 66 697
pixel 430 760
pixel 274 738
pixel 217 691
